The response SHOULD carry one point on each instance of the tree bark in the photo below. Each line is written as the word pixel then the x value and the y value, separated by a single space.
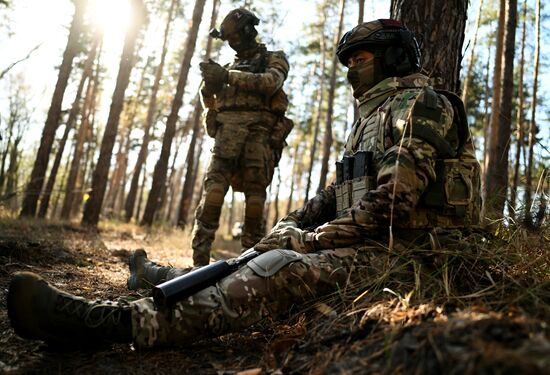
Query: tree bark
pixel 319 100
pixel 86 73
pixel 361 11
pixel 520 126
pixel 92 208
pixel 439 26
pixel 276 201
pixel 489 186
pixel 161 168
pixel 533 125
pixel 13 167
pixel 293 177
pixel 498 160
pixel 117 184
pixel 189 184
pixel 34 187
pixel 151 110
pixel 471 59
pixel 327 141
pixel 190 173
pixel 80 138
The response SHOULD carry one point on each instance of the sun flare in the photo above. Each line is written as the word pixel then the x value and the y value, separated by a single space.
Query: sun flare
pixel 111 16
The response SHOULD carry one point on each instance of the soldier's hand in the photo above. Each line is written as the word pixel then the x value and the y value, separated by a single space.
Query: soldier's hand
pixel 331 236
pixel 290 237
pixel 213 73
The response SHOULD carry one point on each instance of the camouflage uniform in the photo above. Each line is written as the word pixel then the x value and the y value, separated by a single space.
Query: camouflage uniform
pixel 423 177
pixel 242 117
pixel 407 125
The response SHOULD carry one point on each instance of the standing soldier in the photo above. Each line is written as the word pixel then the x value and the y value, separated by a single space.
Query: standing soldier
pixel 246 106
pixel 410 180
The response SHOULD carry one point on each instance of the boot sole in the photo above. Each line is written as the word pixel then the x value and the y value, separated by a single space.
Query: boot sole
pixel 17 287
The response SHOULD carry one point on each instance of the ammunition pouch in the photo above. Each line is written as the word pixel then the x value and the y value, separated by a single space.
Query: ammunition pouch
pixel 453 199
pixel 280 131
pixel 355 176
pixel 351 191
pixel 210 123
pixel 279 102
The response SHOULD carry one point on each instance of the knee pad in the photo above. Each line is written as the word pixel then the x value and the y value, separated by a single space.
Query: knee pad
pixel 270 262
pixel 254 207
pixel 214 195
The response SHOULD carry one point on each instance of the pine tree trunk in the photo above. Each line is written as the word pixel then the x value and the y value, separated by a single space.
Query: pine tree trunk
pixel 533 125
pixel 116 187
pixel 319 101
pixel 361 11
pixel 293 177
pixel 520 126
pixel 491 156
pixel 92 208
pixel 6 151
pixel 486 114
pixel 169 186
pixel 327 141
pixel 498 160
pixel 439 26
pixel 231 213
pixel 471 59
pixel 276 201
pixel 151 110
pixel 543 203
pixel 188 185
pixel 86 74
pixel 161 168
pixel 85 176
pixel 83 130
pixel 190 174
pixel 141 193
pixel 13 167
pixel 38 173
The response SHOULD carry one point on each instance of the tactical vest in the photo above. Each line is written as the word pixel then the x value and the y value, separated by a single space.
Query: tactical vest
pixel 234 99
pixel 452 201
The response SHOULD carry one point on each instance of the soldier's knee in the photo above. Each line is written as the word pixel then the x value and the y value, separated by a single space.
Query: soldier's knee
pixel 254 206
pixel 215 193
pixel 210 210
pixel 271 262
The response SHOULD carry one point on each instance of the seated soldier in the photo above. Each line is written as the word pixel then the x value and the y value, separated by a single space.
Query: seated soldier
pixel 416 172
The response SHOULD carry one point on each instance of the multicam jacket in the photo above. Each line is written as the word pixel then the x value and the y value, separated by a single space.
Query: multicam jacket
pixel 255 83
pixel 425 171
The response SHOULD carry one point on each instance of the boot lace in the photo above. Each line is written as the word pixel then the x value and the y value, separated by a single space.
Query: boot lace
pixel 94 313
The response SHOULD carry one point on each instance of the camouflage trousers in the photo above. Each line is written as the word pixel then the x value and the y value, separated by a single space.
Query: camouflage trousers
pixel 242 159
pixel 254 292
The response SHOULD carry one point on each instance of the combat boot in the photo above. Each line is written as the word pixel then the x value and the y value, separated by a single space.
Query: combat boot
pixel 144 273
pixel 40 311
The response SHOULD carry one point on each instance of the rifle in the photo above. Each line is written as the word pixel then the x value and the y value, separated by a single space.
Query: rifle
pixel 181 287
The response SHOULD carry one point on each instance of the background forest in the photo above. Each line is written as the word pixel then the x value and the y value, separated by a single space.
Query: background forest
pixel 101 128
pixel 100 116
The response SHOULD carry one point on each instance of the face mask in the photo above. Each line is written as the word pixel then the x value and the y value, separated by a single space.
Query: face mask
pixel 361 78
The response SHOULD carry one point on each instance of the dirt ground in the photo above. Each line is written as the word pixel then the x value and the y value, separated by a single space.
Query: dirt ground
pixel 390 336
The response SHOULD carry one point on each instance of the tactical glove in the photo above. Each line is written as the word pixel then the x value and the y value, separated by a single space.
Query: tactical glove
pixel 213 73
pixel 289 237
pixel 271 241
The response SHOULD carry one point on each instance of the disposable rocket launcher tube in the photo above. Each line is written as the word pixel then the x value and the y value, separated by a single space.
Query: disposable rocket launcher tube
pixel 179 288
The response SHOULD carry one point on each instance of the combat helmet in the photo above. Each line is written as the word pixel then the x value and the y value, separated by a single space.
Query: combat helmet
pixel 238 20
pixel 394 46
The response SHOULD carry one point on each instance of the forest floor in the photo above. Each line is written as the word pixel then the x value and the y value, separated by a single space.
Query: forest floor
pixel 501 328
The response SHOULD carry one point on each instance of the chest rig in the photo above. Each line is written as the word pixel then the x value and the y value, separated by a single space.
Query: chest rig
pixel 233 98
pixel 453 200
